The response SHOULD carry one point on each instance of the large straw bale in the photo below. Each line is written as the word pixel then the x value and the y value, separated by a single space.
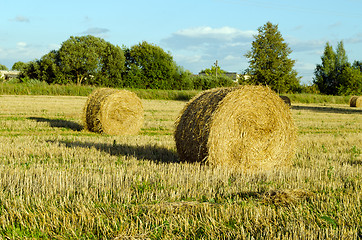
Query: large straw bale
pixel 114 112
pixel 355 101
pixel 248 128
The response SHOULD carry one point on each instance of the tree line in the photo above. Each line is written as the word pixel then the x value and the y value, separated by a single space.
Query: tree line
pixel 89 60
pixel 336 75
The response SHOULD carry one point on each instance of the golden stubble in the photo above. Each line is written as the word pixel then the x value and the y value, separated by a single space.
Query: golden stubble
pixel 60 181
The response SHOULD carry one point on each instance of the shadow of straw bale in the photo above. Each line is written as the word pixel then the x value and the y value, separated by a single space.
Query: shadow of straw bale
pixel 327 109
pixel 285 197
pixel 59 123
pixel 148 152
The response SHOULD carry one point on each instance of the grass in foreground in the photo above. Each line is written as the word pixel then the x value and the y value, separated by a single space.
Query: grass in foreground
pixel 58 181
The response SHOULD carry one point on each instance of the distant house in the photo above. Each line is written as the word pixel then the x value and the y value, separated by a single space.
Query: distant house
pixel 244 77
pixel 9 74
pixel 233 75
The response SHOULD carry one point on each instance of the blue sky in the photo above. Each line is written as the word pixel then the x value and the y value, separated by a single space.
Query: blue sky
pixel 196 33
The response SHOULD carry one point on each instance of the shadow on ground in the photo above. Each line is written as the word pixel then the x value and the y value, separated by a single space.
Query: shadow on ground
pixel 59 123
pixel 148 152
pixel 328 109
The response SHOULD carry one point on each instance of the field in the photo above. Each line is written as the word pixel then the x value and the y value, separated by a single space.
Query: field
pixel 58 181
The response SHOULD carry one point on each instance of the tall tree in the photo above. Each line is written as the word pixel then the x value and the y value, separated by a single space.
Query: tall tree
pixel 335 75
pixel 350 81
pixel 341 56
pixel 269 63
pixel 358 65
pixel 213 71
pixel 3 67
pixel 18 66
pixel 325 75
pixel 149 66
pixel 88 58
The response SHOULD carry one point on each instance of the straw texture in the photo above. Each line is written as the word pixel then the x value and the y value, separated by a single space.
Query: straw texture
pixel 355 101
pixel 248 127
pixel 113 112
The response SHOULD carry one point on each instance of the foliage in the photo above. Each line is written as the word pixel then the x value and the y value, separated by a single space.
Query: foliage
pixel 335 75
pixel 182 79
pixel 3 67
pixel 19 66
pixel 213 71
pixel 269 63
pixel 80 60
pixel 350 81
pixel 358 65
pixel 149 66
pixel 325 73
pixel 89 60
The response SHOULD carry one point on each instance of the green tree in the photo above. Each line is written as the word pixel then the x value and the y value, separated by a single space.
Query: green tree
pixel 335 75
pixel 149 66
pixel 113 66
pixel 32 70
pixel 268 60
pixel 324 73
pixel 88 59
pixel 350 81
pixel 48 68
pixel 341 56
pixel 45 69
pixel 213 71
pixel 3 67
pixel 182 79
pixel 19 66
pixel 358 65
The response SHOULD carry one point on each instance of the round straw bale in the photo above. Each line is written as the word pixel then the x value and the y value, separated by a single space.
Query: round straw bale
pixel 248 128
pixel 114 112
pixel 355 101
pixel 286 100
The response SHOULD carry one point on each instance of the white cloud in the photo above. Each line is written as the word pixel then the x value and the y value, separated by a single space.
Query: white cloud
pixel 96 31
pixel 297 45
pixel 357 38
pixel 231 58
pixel 21 44
pixel 20 19
pixel 197 48
pixel 223 33
pixel 207 37
pixel 25 52
pixel 225 44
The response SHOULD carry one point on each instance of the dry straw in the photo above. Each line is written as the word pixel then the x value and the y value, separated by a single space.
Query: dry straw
pixel 248 128
pixel 114 112
pixel 355 101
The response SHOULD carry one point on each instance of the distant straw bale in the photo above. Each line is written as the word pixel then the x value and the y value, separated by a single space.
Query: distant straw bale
pixel 286 100
pixel 113 112
pixel 355 101
pixel 248 128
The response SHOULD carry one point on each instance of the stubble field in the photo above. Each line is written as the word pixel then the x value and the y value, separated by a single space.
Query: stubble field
pixel 58 181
